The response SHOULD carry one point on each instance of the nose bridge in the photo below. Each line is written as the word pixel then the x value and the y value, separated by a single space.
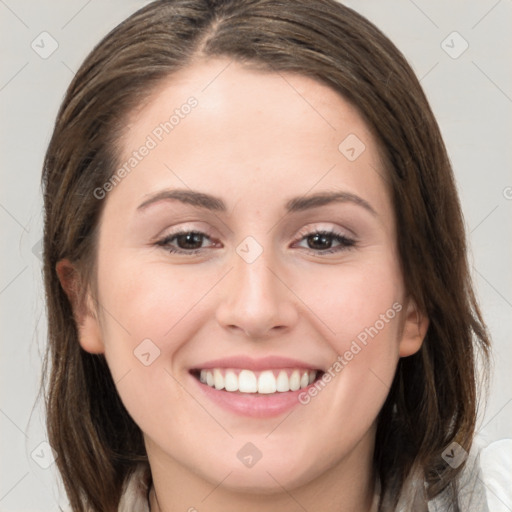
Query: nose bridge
pixel 255 301
pixel 255 282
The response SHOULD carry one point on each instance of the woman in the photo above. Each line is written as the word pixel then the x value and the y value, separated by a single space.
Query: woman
pixel 256 271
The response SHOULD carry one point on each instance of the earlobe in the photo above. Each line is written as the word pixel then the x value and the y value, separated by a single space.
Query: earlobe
pixel 414 330
pixel 89 333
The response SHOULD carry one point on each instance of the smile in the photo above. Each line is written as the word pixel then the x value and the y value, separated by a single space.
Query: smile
pixel 267 382
pixel 258 388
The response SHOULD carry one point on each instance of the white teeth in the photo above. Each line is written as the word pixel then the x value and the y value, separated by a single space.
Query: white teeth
pixel 295 381
pixel 283 382
pixel 231 381
pixel 247 382
pixel 265 382
pixel 218 379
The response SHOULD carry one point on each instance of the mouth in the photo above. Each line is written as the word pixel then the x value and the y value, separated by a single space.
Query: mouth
pixel 257 388
pixel 248 382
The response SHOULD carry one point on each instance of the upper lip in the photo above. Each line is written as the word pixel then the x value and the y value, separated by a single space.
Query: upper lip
pixel 261 364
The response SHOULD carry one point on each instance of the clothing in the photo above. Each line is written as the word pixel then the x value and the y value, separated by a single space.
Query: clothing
pixel 472 491
pixel 135 496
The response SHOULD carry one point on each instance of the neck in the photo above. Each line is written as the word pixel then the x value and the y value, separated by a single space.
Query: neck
pixel 348 486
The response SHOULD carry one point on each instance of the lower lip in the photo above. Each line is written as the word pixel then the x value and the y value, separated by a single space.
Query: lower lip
pixel 253 405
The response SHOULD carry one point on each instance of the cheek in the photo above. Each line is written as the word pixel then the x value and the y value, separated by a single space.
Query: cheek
pixel 152 313
pixel 360 312
pixel 152 302
pixel 348 300
pixel 156 309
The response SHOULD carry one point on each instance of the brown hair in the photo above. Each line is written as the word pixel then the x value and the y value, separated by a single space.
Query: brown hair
pixel 433 398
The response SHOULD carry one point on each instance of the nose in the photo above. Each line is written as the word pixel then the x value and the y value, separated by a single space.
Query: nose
pixel 256 300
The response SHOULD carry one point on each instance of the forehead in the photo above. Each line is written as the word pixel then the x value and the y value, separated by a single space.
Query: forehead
pixel 219 125
pixel 230 94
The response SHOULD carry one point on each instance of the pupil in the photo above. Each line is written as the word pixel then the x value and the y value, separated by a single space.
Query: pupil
pixel 190 241
pixel 324 240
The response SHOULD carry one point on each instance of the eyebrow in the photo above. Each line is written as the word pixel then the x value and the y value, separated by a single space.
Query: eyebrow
pixel 296 204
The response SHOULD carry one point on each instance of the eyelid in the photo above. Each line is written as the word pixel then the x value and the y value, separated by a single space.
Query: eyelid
pixel 345 242
pixel 166 240
pixel 186 227
pixel 327 227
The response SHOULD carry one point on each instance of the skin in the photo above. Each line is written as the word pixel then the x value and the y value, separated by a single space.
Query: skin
pixel 255 140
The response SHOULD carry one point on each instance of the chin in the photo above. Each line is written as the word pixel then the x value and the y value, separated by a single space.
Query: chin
pixel 267 476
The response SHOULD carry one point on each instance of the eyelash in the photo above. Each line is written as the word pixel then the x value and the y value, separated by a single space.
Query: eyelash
pixel 345 242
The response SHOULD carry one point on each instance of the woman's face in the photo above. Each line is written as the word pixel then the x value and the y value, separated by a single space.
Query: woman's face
pixel 290 267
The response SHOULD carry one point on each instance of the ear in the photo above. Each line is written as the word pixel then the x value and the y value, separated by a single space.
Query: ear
pixel 84 310
pixel 414 330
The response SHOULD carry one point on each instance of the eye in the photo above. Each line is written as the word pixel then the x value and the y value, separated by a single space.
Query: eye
pixel 318 242
pixel 321 242
pixel 188 242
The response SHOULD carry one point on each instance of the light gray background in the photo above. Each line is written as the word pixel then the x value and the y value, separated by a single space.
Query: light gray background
pixel 471 96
